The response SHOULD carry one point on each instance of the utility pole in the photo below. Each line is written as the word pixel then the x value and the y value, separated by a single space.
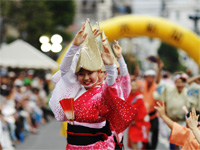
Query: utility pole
pixel 2 30
pixel 164 11
pixel 195 18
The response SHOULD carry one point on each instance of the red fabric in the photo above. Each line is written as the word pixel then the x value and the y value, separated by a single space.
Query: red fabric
pixel 87 106
pixel 121 113
pixel 138 131
pixel 103 103
pixel 126 85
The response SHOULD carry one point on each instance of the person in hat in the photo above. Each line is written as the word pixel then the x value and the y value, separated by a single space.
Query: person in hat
pixel 101 76
pixel 123 74
pixel 93 104
pixel 175 97
pixel 147 87
pixel 181 135
pixel 122 80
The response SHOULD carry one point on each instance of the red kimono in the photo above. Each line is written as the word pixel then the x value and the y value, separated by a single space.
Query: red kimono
pixel 99 104
pixel 91 108
pixel 139 130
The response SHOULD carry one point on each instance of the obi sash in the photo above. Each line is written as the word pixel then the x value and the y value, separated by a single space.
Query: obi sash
pixel 81 135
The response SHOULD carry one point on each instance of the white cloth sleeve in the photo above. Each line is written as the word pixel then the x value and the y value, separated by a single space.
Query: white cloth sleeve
pixel 123 67
pixel 67 59
pixel 111 74
pixel 67 85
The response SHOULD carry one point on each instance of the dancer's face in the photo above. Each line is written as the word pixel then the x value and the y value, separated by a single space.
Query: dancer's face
pixel 134 87
pixel 180 84
pixel 102 76
pixel 150 79
pixel 88 79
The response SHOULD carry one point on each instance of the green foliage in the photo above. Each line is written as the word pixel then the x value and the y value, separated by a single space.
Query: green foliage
pixel 64 11
pixel 130 61
pixel 33 19
pixel 170 58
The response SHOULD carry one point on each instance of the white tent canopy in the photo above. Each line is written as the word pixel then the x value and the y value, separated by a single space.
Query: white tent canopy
pixel 20 54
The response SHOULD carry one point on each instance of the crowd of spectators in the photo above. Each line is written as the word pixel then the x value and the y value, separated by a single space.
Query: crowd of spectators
pixel 24 96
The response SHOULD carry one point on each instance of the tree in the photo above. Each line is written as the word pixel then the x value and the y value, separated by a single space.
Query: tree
pixel 170 58
pixel 33 19
pixel 63 12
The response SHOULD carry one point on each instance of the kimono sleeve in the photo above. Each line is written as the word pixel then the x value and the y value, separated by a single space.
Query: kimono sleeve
pixel 124 78
pixel 119 113
pixel 66 83
pixel 126 85
pixel 179 134
pixel 194 95
pixel 160 93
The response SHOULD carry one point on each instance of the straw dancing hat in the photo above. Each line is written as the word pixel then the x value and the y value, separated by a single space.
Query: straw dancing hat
pixel 109 48
pixel 90 57
pixel 99 39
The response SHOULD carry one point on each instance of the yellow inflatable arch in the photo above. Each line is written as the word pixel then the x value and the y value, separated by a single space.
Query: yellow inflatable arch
pixel 154 27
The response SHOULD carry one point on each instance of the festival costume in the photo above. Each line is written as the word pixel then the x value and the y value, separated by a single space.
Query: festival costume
pixel 194 95
pixel 123 81
pixel 139 131
pixel 96 106
pixel 174 100
pixel 150 102
pixel 92 107
pixel 183 137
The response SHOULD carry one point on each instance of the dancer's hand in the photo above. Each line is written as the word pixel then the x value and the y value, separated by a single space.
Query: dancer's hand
pixel 80 36
pixel 192 121
pixel 96 32
pixel 160 64
pixel 107 57
pixel 117 49
pixel 160 108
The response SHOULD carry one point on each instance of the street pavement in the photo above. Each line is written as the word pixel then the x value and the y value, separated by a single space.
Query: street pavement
pixel 49 138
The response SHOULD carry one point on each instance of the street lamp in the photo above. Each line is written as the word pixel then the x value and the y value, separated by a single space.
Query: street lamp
pixel 55 45
pixel 56 38
pixel 46 47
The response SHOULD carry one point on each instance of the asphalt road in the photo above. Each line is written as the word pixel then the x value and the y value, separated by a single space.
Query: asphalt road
pixel 49 138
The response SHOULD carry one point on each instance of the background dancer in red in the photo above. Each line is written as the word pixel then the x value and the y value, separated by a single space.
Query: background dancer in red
pixel 139 129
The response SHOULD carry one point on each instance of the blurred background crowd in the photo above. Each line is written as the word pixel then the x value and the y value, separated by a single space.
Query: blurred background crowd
pixel 24 103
